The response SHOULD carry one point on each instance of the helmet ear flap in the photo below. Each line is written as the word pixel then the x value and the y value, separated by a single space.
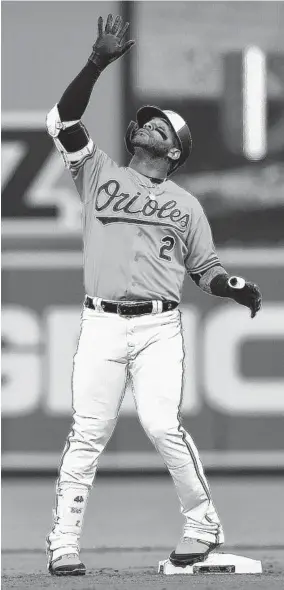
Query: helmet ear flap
pixel 132 127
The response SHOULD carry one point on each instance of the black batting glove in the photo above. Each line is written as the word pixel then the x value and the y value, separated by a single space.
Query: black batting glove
pixel 110 44
pixel 245 293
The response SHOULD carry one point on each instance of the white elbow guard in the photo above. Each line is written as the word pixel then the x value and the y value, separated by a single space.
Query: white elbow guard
pixel 54 125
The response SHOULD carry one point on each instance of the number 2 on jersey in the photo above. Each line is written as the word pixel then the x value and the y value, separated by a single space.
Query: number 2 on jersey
pixel 168 245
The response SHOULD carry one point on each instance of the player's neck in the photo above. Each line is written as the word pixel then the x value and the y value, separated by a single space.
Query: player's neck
pixel 145 165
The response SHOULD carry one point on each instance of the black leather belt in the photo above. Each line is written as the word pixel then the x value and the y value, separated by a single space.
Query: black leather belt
pixel 129 308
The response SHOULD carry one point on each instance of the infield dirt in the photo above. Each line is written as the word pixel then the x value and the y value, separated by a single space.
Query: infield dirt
pixel 131 524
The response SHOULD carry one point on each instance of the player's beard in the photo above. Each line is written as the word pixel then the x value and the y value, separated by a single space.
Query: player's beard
pixel 150 145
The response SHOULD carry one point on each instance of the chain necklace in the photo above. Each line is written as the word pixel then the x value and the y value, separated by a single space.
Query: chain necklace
pixel 141 180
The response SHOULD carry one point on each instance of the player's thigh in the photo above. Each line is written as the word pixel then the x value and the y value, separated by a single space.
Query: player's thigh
pixel 99 367
pixel 157 372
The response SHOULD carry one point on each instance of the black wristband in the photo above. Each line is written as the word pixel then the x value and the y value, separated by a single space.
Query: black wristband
pixel 219 286
pixel 74 138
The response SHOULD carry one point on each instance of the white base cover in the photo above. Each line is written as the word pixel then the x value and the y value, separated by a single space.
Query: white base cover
pixel 216 563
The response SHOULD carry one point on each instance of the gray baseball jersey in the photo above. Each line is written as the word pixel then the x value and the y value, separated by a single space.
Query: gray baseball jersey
pixel 139 237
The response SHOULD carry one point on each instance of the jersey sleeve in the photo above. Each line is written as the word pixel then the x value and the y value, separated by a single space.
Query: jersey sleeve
pixel 86 173
pixel 201 249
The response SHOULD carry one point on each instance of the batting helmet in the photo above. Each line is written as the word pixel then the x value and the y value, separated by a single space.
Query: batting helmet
pixel 176 122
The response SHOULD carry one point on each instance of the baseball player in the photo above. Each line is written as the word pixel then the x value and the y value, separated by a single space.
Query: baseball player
pixel 142 233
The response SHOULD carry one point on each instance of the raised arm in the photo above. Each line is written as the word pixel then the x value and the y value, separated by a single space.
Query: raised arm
pixel 64 120
pixel 108 47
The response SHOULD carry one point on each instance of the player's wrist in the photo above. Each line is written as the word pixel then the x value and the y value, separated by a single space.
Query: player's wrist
pixel 97 62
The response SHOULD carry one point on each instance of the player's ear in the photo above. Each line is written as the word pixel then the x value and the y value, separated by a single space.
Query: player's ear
pixel 174 153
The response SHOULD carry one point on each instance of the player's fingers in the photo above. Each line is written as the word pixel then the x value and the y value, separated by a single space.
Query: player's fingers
pixel 258 306
pixel 253 310
pixel 108 24
pixel 123 31
pixel 127 46
pixel 116 25
pixel 100 26
pixel 255 307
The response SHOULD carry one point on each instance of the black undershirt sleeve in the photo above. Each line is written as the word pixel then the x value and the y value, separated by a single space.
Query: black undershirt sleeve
pixel 72 106
pixel 218 285
pixel 197 276
pixel 75 99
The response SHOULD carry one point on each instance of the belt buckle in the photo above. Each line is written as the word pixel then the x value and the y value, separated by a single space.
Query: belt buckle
pixel 128 309
pixel 120 309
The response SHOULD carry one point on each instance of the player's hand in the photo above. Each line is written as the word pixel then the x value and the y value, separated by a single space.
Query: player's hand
pixel 110 43
pixel 250 296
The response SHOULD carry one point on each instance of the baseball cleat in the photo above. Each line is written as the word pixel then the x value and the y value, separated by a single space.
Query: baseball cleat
pixel 67 565
pixel 189 551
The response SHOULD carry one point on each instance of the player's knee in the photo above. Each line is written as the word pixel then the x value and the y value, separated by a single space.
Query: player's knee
pixel 92 431
pixel 155 429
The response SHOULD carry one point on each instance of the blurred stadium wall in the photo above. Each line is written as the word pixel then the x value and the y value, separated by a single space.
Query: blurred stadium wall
pixel 221 65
